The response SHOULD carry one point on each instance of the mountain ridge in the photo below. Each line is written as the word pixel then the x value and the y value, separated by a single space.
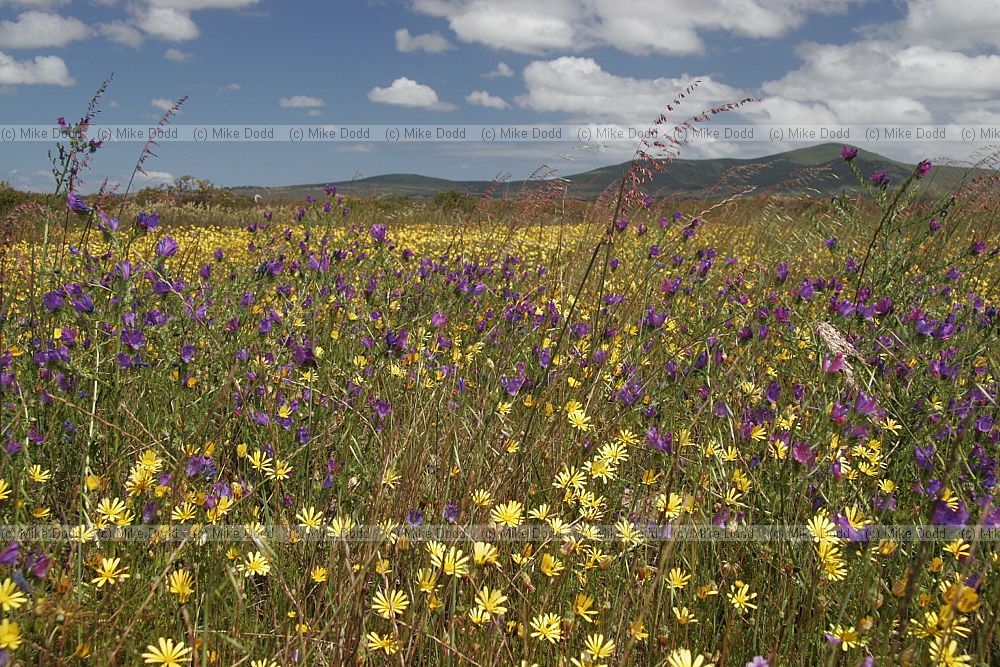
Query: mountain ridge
pixel 814 169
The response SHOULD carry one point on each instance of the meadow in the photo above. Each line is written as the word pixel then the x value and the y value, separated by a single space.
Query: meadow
pixel 333 432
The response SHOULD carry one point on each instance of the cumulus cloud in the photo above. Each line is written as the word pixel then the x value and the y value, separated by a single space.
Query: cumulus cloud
pixel 406 92
pixel 38 30
pixel 167 23
pixel 301 102
pixel 122 33
pixel 162 104
pixel 176 55
pixel 881 68
pixel 195 5
pixel 431 42
pixel 943 23
pixel 482 98
pixel 581 87
pixel 635 26
pixel 34 4
pixel 49 70
pixel 502 70
pixel 152 179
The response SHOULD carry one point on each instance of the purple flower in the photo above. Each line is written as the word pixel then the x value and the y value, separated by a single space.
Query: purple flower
pixel 978 247
pixel 647 201
pixel 924 455
pixel 148 222
pixel 879 178
pixel 52 301
pixel 166 247
pixel 378 232
pixel 848 153
pixel 451 511
pixel 10 554
pixel 76 204
pixel 758 661
pixel 782 272
pixel 415 517
pixel 945 516
pixel 923 167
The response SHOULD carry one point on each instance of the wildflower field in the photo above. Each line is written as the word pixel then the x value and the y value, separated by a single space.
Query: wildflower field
pixel 556 433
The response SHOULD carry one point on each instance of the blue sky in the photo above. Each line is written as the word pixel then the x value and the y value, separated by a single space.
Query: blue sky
pixel 472 61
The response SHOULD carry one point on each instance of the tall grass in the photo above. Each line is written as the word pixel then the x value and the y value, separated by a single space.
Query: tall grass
pixel 605 375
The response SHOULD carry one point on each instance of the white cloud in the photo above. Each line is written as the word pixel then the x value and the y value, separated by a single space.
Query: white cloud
pixel 37 30
pixel 947 24
pixel 301 102
pixel 406 92
pixel 167 23
pixel 232 86
pixel 482 98
pixel 35 4
pixel 176 55
pixel 152 179
pixel 122 33
pixel 195 5
pixel 502 70
pixel 316 113
pixel 162 104
pixel 869 69
pixel 635 26
pixel 50 70
pixel 431 42
pixel 579 86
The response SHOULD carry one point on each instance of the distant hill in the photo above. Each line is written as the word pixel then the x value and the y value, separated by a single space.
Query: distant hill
pixel 815 169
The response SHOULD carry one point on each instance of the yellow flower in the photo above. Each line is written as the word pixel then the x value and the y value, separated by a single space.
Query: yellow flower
pixel 741 597
pixel 181 585
pixel 677 579
pixel 38 475
pixel 319 574
pixel 547 627
pixel 508 514
pixel 385 643
pixel 11 596
pixel 391 604
pixel 491 601
pixel 455 563
pixel 255 563
pixel 583 607
pixel 682 657
pixel 958 548
pixel 479 616
pixel 598 648
pixel 5 490
pixel 683 616
pixel 427 579
pixel 551 566
pixel 10 635
pixel 847 637
pixel 946 653
pixel 891 425
pixel 484 553
pixel 108 572
pixel 822 529
pixel 481 497
pixel 309 517
pixel 167 653
pixel 579 420
pixel 184 512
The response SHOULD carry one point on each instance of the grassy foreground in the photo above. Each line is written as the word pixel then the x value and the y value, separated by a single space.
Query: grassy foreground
pixel 382 405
